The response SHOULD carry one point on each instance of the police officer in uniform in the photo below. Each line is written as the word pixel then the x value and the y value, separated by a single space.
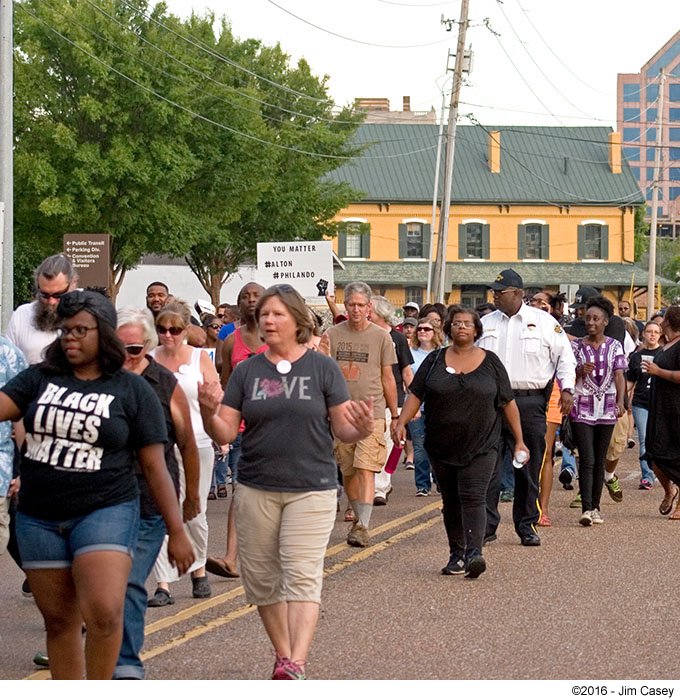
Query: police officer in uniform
pixel 533 348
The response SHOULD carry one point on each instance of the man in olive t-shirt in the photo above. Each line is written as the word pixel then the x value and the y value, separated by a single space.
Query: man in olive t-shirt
pixel 365 354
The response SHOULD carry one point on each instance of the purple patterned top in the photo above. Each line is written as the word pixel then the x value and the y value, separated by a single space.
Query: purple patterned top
pixel 595 393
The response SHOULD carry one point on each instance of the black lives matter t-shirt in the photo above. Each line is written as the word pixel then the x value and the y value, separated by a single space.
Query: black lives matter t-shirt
pixel 287 444
pixel 80 440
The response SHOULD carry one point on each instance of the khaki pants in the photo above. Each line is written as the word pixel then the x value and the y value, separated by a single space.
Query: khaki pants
pixel 282 540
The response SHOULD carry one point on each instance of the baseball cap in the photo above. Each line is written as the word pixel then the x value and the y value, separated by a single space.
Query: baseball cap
pixel 411 305
pixel 507 278
pixel 410 322
pixel 582 296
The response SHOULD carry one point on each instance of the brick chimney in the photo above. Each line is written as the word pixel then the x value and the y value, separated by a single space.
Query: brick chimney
pixel 407 103
pixel 615 152
pixel 495 151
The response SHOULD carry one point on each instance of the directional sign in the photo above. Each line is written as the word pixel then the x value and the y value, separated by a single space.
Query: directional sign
pixel 89 254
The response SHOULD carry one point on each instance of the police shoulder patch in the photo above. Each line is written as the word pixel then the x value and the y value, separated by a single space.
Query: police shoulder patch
pixel 558 328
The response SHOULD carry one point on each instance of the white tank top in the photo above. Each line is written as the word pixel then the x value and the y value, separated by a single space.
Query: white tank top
pixel 188 377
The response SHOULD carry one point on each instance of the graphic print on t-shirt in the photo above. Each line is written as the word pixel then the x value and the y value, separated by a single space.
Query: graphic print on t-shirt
pixel 295 387
pixel 348 354
pixel 65 428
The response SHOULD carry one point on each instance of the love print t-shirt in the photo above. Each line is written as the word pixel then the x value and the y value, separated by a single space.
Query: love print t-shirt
pixel 287 444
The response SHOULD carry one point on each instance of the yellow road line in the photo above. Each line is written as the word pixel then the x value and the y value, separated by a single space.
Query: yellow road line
pixel 190 612
pixel 197 608
pixel 246 609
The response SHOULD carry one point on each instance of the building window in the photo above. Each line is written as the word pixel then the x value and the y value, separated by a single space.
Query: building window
pixel 354 239
pixel 674 134
pixel 674 92
pixel 674 114
pixel 533 241
pixel 631 153
pixel 650 135
pixel 473 240
pixel 652 113
pixel 593 241
pixel 631 92
pixel 413 294
pixel 472 296
pixel 674 153
pixel 631 115
pixel 414 240
pixel 652 93
pixel 631 134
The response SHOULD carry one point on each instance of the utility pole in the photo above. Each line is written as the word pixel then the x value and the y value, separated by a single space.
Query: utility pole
pixel 651 282
pixel 443 230
pixel 434 197
pixel 6 164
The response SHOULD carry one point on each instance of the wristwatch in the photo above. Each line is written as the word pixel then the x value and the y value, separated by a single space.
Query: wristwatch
pixel 569 391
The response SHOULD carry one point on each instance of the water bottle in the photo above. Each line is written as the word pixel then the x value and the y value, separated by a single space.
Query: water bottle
pixel 520 459
pixel 393 459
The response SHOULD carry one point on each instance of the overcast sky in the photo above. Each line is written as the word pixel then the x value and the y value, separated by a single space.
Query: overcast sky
pixel 553 63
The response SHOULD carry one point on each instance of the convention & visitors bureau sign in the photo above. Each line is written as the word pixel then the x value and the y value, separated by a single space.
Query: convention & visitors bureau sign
pixel 305 265
pixel 89 254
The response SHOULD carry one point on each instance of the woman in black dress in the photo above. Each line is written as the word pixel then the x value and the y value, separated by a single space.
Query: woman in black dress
pixel 467 392
pixel 663 426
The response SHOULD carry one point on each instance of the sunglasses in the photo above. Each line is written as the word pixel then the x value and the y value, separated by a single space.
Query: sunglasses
pixel 425 329
pixel 173 330
pixel 134 350
pixel 220 315
pixel 47 296
pixel 215 326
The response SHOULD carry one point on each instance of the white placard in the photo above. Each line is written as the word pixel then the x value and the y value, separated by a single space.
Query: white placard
pixel 305 265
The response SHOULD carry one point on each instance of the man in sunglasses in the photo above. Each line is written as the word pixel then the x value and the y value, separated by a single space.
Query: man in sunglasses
pixel 32 327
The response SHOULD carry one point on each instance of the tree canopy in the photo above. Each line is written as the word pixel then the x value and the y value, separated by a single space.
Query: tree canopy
pixel 173 136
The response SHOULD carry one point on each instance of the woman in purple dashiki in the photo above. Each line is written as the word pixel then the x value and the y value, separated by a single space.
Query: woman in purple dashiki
pixel 598 403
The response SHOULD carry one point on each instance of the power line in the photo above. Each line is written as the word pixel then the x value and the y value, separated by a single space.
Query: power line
pixel 207 119
pixel 431 4
pixel 349 38
pixel 555 55
pixel 500 7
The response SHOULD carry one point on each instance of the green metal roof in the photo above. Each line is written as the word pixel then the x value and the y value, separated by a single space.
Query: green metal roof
pixel 533 274
pixel 554 165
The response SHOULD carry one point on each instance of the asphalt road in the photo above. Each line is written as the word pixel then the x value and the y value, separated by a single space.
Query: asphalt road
pixel 590 603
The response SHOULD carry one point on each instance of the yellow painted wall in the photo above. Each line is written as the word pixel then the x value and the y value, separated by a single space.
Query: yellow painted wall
pixel 503 228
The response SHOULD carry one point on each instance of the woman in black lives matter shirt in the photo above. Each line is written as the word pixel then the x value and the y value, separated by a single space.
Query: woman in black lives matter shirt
pixel 290 398
pixel 79 502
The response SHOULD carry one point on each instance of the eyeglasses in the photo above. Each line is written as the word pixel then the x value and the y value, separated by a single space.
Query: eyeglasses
pixel 173 330
pixel 462 324
pixel 425 329
pixel 498 292
pixel 134 350
pixel 75 331
pixel 220 315
pixel 215 326
pixel 47 296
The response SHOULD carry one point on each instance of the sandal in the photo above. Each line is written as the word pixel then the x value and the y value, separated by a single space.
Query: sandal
pixel 349 515
pixel 544 520
pixel 212 496
pixel 217 567
pixel 222 492
pixel 666 506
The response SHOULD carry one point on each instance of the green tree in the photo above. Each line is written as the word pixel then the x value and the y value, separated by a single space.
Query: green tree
pixel 641 233
pixel 172 158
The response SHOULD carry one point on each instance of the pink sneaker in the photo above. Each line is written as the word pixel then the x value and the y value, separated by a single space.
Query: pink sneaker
pixel 287 670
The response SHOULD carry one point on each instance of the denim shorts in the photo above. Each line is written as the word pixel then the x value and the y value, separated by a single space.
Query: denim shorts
pixel 54 544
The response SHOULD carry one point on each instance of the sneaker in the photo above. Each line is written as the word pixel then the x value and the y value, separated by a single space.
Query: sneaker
pixel 630 443
pixel 596 517
pixel 586 518
pixel 422 492
pixel 566 477
pixel 576 503
pixel 645 485
pixel 614 489
pixel 26 589
pixel 287 670
pixel 455 566
pixel 200 587
pixel 409 465
pixel 357 536
pixel 41 659
pixel 507 496
pixel 475 567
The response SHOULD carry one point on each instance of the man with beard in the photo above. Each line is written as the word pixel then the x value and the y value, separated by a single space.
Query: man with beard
pixel 32 327
pixel 157 296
